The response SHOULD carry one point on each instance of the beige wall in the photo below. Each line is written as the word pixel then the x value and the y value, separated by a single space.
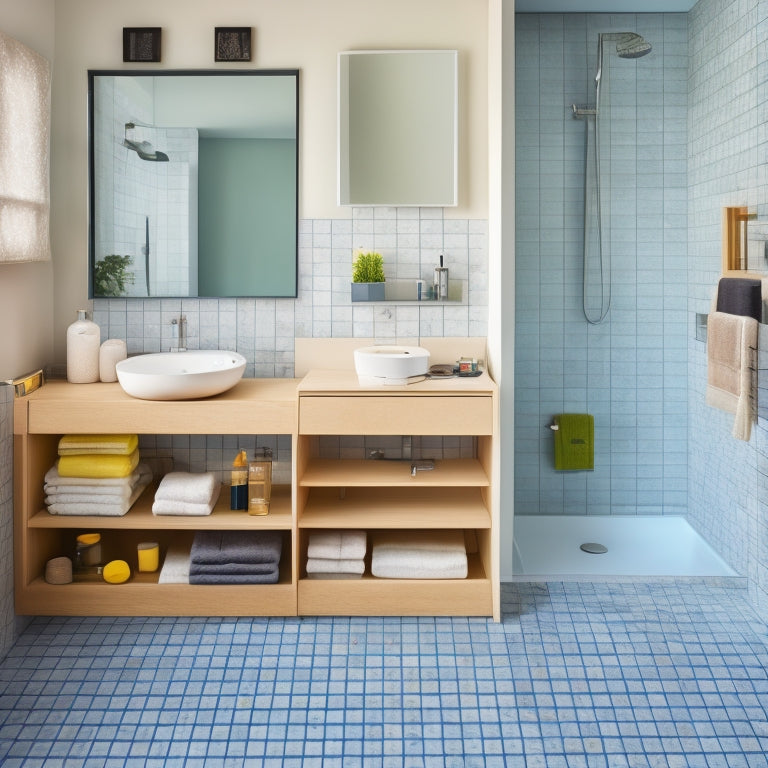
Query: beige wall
pixel 288 33
pixel 26 290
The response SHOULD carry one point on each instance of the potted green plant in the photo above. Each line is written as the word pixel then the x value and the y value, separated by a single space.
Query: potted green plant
pixel 111 275
pixel 368 277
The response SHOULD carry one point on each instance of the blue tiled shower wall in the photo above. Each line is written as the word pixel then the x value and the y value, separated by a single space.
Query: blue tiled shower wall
pixel 630 371
pixel 727 98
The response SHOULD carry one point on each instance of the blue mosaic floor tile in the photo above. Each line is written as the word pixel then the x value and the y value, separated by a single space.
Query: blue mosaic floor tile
pixel 575 675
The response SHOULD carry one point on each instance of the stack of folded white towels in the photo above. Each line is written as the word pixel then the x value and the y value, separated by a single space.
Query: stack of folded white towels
pixel 336 554
pixel 439 554
pixel 187 493
pixel 96 475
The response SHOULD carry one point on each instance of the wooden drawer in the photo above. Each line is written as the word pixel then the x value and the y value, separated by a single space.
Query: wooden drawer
pixel 395 415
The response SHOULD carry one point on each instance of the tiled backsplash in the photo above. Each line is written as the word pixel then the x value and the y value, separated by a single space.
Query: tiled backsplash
pixel 411 241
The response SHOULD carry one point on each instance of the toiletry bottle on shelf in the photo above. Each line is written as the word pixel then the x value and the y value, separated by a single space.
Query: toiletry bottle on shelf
pixel 238 492
pixel 87 554
pixel 260 482
pixel 441 281
pixel 83 343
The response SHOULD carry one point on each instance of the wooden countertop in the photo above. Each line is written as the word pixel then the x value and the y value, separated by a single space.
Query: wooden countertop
pixel 345 382
pixel 266 406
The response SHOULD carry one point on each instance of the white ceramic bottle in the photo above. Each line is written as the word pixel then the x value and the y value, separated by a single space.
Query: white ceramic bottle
pixel 83 342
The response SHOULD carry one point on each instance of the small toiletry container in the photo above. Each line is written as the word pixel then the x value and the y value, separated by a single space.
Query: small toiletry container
pixel 87 553
pixel 441 281
pixel 149 556
pixel 111 352
pixel 260 482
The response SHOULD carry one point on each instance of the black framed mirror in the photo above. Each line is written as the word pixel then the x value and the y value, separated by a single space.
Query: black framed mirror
pixel 193 183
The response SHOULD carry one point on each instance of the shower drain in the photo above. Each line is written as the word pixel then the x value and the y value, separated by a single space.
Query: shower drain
pixel 593 548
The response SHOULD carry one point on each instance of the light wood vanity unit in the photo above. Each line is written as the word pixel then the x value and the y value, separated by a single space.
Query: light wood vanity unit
pixel 326 493
pixel 258 406
pixel 375 495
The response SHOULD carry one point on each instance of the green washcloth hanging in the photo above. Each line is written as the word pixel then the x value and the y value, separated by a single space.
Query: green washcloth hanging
pixel 574 441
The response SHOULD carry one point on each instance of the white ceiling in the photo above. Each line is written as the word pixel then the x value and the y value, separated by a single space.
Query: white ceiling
pixel 604 6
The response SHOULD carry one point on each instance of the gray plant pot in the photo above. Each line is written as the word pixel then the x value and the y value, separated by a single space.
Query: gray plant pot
pixel 367 291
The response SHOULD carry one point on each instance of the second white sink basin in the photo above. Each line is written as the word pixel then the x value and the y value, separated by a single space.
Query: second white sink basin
pixel 180 375
pixel 391 365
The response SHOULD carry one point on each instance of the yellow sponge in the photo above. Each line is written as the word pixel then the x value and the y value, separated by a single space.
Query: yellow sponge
pixel 116 572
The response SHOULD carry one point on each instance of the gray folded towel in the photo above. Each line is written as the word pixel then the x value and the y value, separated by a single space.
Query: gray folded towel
pixel 233 569
pixel 244 547
pixel 233 578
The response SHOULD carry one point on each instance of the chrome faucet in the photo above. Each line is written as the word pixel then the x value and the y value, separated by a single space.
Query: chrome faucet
pixel 181 323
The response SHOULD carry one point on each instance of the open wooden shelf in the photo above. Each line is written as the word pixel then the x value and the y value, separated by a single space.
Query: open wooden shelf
pixel 140 516
pixel 368 473
pixel 458 494
pixel 396 508
pixel 398 597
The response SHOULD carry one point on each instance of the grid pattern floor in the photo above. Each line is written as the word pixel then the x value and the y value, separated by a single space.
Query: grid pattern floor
pixel 576 674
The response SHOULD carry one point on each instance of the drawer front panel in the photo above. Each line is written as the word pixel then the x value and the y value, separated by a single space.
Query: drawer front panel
pixel 393 415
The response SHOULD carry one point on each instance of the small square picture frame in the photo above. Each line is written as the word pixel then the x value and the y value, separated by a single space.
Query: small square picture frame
pixel 232 44
pixel 141 44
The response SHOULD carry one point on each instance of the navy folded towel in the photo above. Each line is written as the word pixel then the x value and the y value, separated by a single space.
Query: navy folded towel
pixel 240 547
pixel 740 296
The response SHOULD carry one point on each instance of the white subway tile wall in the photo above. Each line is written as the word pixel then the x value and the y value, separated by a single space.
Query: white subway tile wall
pixel 630 371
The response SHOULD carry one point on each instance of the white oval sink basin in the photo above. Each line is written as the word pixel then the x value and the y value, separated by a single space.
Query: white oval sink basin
pixel 180 375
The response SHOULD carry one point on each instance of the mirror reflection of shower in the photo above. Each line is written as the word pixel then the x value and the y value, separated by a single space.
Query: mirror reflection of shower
pixel 143 149
pixel 628 45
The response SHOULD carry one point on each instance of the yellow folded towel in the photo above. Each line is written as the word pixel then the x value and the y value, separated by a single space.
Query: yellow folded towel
pixel 101 465
pixel 120 445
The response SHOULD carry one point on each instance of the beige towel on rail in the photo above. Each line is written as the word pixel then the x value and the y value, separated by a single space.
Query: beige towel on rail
pixel 731 340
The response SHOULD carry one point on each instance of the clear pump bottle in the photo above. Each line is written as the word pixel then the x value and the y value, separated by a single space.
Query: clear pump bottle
pixel 260 482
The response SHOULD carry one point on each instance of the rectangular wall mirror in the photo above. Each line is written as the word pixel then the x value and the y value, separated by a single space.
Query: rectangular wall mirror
pixel 193 183
pixel 398 128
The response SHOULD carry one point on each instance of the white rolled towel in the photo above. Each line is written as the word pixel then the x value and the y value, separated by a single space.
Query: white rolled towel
pixel 327 565
pixel 419 555
pixel 337 545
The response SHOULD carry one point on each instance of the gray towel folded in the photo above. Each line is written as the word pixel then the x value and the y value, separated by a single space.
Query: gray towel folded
pixel 243 547
pixel 233 578
pixel 232 569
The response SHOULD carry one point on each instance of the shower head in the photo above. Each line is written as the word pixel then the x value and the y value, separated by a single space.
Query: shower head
pixel 632 47
pixel 143 148
pixel 629 45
